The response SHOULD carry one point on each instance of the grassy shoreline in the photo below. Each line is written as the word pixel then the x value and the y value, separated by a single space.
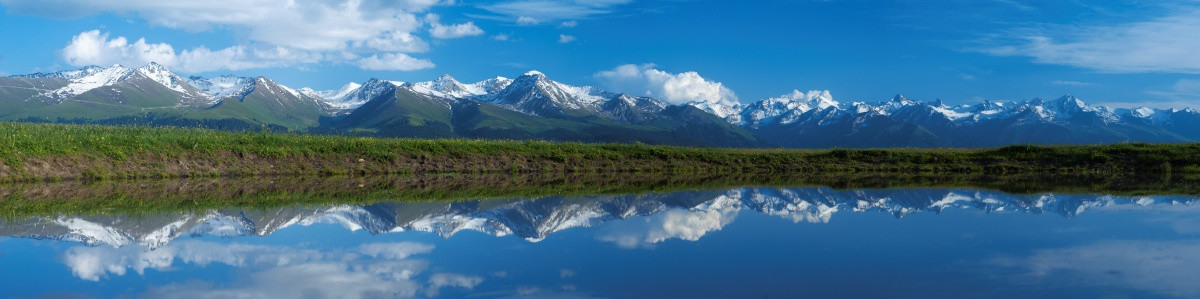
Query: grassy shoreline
pixel 53 152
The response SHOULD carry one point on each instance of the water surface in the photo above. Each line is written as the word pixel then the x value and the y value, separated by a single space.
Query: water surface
pixel 741 242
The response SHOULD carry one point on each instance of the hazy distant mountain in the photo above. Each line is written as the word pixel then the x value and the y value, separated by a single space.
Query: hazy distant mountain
pixel 532 106
pixel 818 122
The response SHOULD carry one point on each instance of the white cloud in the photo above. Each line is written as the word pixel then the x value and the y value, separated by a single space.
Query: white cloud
pixel 308 25
pixel 563 38
pixel 568 24
pixel 396 41
pixel 1162 44
pixel 394 62
pixel 547 10
pixel 97 48
pixel 677 88
pixel 202 59
pixel 439 31
pixel 285 32
pixel 523 20
pixel 501 37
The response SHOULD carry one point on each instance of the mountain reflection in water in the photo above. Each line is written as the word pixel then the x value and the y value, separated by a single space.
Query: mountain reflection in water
pixel 116 246
pixel 536 219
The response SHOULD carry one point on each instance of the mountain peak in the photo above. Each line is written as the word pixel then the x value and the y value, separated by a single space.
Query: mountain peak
pixel 1070 99
pixel 534 73
pixel 899 98
pixel 376 81
pixel 155 66
pixel 446 78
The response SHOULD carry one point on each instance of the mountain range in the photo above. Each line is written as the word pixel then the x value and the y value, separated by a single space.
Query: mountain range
pixel 534 107
pixel 537 218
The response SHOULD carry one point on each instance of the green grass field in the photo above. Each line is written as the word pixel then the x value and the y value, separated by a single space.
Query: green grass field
pixel 54 152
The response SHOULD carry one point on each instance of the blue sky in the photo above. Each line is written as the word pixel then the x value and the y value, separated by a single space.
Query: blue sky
pixel 1120 53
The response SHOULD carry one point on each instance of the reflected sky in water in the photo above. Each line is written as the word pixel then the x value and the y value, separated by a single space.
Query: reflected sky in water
pixel 745 242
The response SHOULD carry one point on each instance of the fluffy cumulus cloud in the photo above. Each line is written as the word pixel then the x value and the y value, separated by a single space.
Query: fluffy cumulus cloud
pixel 99 48
pixel 277 32
pixel 676 88
pixel 1163 44
pixel 369 271
pixel 440 31
pixel 96 48
pixel 563 38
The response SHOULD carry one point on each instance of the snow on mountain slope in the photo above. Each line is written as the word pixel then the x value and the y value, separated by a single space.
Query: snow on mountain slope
pixel 787 108
pixel 533 92
pixel 91 78
pixel 331 94
pixel 222 87
pixel 92 233
pixel 492 85
pixel 362 94
pixel 71 74
pixel 445 86
pixel 726 109
pixel 163 76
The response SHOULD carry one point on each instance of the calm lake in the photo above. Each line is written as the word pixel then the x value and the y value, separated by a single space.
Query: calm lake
pixel 724 243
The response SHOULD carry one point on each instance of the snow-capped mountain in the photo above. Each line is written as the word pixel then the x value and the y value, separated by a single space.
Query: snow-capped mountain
pixel 533 106
pixel 814 119
pixel 784 109
pixel 152 94
pixel 448 87
pixel 536 219
pixel 354 98
pixel 536 94
pixel 92 78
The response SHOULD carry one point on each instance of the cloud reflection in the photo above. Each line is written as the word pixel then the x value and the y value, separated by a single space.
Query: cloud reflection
pixel 374 270
pixel 1168 268
pixel 690 224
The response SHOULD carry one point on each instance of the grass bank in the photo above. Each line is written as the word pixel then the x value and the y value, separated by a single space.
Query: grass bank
pixel 53 152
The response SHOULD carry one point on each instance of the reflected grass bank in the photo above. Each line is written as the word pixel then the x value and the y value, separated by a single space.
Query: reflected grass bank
pixel 21 200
